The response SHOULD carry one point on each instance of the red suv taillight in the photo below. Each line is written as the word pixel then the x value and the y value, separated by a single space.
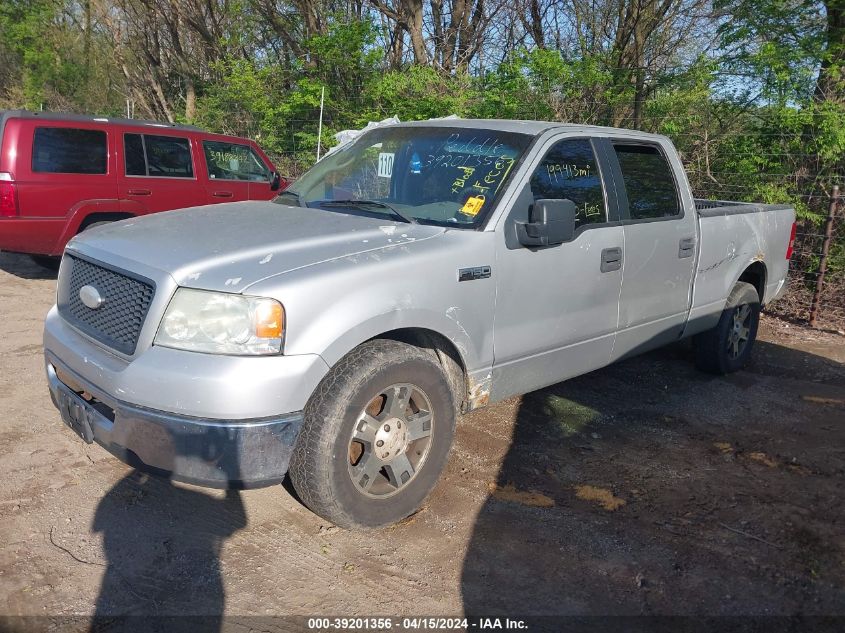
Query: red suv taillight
pixel 791 246
pixel 8 196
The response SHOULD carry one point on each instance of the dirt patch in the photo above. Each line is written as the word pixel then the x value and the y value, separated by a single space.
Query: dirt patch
pixel 525 497
pixel 820 400
pixel 764 459
pixel 601 496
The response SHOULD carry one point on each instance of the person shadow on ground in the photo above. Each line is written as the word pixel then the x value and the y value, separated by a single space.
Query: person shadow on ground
pixel 163 545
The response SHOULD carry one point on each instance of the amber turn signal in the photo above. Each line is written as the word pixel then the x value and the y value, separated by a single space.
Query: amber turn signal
pixel 269 320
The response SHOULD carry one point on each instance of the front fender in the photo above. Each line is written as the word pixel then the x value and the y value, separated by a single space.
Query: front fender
pixel 335 306
pixel 378 325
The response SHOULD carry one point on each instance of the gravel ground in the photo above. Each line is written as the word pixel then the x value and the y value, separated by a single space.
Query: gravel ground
pixel 643 488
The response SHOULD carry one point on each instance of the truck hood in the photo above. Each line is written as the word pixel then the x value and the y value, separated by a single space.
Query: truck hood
pixel 230 246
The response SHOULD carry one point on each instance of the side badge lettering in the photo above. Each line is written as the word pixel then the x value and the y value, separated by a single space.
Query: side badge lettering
pixel 470 274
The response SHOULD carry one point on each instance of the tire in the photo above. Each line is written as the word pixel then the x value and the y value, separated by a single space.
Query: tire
pixel 339 469
pixel 47 261
pixel 727 347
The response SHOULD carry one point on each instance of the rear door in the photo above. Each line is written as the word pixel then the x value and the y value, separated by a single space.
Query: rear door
pixel 235 172
pixel 158 173
pixel 660 244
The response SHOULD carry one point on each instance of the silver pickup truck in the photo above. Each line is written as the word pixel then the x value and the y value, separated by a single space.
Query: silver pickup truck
pixel 424 270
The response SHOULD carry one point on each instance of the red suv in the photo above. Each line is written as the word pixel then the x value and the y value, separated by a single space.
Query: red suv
pixel 63 173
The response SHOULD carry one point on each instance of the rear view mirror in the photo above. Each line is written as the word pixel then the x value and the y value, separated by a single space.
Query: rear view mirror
pixel 550 222
pixel 275 181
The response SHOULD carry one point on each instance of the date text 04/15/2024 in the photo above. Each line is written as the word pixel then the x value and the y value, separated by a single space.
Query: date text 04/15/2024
pixel 416 623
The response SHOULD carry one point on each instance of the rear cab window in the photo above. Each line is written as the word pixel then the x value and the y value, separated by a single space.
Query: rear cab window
pixel 649 182
pixel 233 161
pixel 157 156
pixel 66 150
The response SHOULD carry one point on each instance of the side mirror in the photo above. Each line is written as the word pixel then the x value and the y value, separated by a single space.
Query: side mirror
pixel 275 181
pixel 550 222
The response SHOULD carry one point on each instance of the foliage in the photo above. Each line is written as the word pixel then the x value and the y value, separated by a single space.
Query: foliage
pixel 737 88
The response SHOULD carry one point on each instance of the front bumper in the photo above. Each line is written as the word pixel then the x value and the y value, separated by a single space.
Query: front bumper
pixel 208 452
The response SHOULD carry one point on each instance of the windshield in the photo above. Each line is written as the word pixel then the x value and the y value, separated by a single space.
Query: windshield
pixel 431 175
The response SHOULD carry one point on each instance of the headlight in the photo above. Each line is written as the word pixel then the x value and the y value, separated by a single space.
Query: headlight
pixel 222 323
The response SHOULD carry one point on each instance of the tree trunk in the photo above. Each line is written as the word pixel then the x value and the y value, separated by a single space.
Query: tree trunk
pixel 86 53
pixel 190 100
pixel 830 85
pixel 414 9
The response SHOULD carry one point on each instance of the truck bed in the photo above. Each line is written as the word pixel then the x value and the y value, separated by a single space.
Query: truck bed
pixel 710 208
pixel 733 236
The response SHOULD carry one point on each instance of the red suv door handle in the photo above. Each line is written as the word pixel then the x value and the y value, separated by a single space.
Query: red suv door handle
pixel 222 194
pixel 139 192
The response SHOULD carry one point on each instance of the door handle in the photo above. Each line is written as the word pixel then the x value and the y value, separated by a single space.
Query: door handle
pixel 139 192
pixel 222 194
pixel 611 259
pixel 686 247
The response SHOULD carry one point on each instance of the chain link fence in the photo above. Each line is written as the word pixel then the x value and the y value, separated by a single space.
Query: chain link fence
pixel 816 283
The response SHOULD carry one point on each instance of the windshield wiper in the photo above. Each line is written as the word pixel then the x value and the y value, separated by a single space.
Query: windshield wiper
pixel 368 203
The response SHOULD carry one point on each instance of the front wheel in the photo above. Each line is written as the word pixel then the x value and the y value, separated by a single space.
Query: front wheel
pixel 727 347
pixel 376 436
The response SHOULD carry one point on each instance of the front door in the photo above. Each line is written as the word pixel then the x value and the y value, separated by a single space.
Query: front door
pixel 235 172
pixel 557 307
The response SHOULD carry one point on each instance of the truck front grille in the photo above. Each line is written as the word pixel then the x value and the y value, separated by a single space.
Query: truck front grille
pixel 125 300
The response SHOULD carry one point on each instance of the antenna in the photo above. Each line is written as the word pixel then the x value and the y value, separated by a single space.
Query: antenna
pixel 320 126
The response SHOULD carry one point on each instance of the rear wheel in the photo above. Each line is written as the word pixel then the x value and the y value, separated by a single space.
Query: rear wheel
pixel 727 347
pixel 376 436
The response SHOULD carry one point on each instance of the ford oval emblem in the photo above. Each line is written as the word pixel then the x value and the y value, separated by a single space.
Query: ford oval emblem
pixel 91 297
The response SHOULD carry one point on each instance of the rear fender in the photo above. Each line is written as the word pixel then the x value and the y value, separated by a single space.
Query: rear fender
pixel 80 212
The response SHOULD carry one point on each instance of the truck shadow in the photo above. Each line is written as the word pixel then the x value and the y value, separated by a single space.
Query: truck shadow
pixel 649 488
pixel 24 267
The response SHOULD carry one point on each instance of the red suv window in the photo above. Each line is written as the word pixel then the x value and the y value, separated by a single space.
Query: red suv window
pixel 64 150
pixel 158 156
pixel 232 161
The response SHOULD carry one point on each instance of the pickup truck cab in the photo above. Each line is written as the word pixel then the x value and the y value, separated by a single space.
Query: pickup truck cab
pixel 424 270
pixel 61 174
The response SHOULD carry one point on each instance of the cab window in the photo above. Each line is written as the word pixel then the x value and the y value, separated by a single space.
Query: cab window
pixel 231 161
pixel 648 182
pixel 569 171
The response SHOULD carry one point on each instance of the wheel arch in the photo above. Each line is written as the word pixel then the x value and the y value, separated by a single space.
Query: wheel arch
pixel 446 352
pixel 102 216
pixel 755 274
pixel 83 214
